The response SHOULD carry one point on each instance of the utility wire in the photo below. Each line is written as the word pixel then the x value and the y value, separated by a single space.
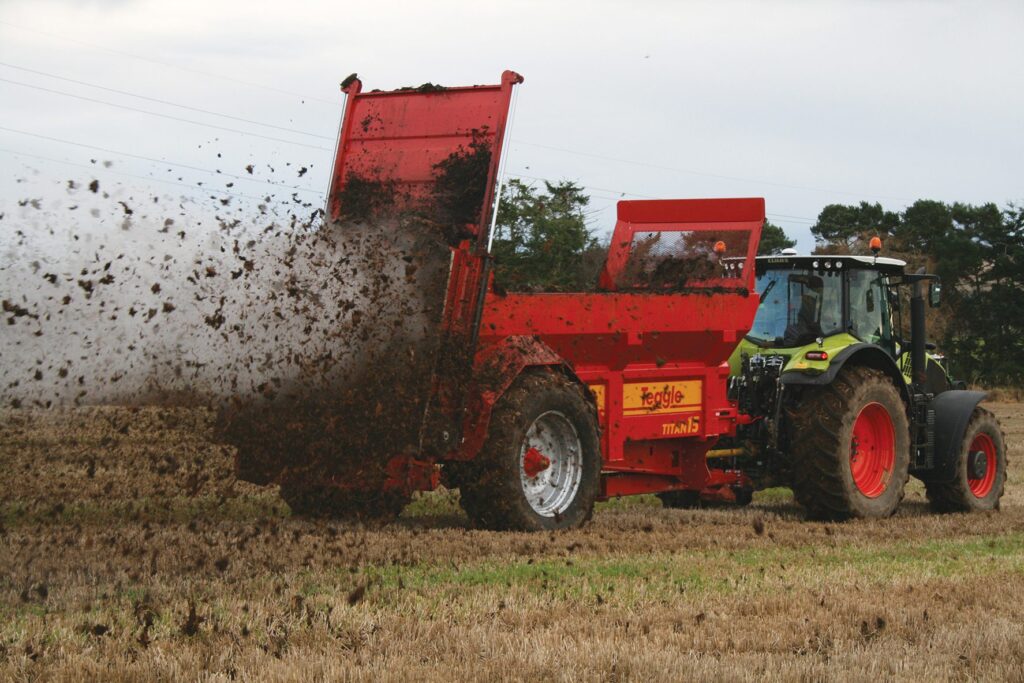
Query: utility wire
pixel 163 116
pixel 793 218
pixel 335 104
pixel 325 137
pixel 169 65
pixel 130 175
pixel 700 173
pixel 160 101
pixel 616 194
pixel 107 150
pixel 623 193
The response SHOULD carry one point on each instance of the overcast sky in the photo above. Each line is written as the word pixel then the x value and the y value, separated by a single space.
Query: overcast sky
pixel 803 103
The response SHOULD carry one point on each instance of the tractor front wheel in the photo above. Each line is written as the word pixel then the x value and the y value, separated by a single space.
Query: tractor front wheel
pixel 850 443
pixel 540 467
pixel 980 469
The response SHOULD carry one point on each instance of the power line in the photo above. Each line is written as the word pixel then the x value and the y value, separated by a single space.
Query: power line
pixel 623 193
pixel 707 175
pixel 163 116
pixel 614 192
pixel 158 161
pixel 793 218
pixel 588 187
pixel 160 101
pixel 208 74
pixel 128 175
pixel 335 104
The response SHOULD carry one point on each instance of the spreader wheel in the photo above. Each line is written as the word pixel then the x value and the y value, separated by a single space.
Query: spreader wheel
pixel 540 467
pixel 980 469
pixel 851 447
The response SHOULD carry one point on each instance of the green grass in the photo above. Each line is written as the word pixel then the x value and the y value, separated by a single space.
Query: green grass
pixel 632 579
pixel 440 503
pixel 779 494
pixel 630 502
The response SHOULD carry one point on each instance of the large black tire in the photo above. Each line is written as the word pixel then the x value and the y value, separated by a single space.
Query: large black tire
pixel 330 502
pixel 822 428
pixel 966 494
pixel 491 489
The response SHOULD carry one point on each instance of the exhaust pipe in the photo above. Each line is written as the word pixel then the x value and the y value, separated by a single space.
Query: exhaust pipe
pixel 917 333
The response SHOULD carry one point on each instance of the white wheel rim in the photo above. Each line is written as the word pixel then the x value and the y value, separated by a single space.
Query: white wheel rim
pixel 554 489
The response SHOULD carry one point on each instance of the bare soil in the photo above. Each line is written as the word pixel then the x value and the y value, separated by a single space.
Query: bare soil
pixel 128 551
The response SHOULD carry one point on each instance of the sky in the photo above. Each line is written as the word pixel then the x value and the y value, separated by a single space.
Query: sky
pixel 803 103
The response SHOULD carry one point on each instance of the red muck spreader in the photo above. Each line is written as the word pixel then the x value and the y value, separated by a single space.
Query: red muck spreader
pixel 536 405
pixel 648 351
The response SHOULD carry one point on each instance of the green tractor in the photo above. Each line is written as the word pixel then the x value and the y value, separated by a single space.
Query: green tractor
pixel 844 406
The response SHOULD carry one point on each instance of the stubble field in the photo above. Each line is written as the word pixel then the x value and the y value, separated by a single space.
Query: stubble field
pixel 128 552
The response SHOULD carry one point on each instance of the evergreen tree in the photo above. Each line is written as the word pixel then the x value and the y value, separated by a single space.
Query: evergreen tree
pixel 542 242
pixel 773 240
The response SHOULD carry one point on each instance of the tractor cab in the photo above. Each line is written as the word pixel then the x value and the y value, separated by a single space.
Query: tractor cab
pixel 843 402
pixel 814 307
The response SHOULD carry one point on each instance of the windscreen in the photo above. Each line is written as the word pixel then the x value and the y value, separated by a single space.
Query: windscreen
pixel 797 306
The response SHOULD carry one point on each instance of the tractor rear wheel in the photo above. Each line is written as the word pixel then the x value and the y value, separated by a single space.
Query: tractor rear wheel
pixel 850 446
pixel 980 469
pixel 540 467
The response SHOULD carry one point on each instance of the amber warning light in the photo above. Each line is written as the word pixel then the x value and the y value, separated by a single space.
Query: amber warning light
pixel 876 245
pixel 719 247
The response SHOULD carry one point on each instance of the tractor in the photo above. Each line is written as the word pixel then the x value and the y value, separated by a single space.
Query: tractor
pixel 845 402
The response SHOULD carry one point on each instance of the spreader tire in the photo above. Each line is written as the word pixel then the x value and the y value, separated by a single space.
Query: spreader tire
pixel 545 411
pixel 330 502
pixel 965 493
pixel 850 447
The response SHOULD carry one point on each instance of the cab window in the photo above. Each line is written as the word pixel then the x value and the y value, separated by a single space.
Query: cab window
pixel 870 317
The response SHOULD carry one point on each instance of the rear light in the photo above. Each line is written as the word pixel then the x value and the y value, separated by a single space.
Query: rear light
pixel 816 355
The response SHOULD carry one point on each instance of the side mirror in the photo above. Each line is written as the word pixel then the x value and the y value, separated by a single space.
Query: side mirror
pixel 934 293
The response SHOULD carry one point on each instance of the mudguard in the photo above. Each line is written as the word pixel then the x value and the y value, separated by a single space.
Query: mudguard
pixel 495 369
pixel 953 410
pixel 870 355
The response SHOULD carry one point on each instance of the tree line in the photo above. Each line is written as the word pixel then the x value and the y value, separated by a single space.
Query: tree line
pixel 544 241
pixel 977 251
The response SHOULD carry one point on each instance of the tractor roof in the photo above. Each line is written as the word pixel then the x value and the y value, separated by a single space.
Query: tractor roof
pixel 881 263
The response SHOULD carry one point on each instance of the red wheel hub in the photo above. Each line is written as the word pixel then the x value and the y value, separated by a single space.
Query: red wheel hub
pixel 535 462
pixel 982 486
pixel 872 450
